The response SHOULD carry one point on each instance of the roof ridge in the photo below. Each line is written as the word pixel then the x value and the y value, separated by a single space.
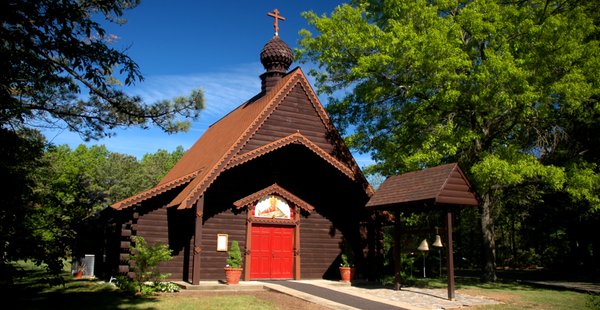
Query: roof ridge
pixel 454 165
pixel 271 97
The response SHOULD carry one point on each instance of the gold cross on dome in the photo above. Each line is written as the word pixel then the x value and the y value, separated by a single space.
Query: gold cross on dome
pixel 277 17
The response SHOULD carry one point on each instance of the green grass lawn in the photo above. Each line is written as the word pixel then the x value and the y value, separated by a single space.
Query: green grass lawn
pixel 31 291
pixel 515 295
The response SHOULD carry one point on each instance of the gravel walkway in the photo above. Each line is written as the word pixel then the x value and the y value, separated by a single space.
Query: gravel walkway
pixel 410 297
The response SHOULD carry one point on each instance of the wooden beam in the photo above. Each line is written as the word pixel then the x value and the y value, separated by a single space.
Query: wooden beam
pixel 397 262
pixel 247 253
pixel 297 275
pixel 197 241
pixel 449 254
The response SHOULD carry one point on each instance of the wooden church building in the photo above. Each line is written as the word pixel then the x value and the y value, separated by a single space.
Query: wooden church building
pixel 273 174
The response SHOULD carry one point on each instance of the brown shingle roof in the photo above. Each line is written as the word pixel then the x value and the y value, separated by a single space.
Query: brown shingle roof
pixel 218 146
pixel 445 184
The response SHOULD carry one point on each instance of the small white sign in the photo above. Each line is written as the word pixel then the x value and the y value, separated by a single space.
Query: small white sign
pixel 222 242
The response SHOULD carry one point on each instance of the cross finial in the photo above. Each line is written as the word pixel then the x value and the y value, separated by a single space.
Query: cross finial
pixel 277 17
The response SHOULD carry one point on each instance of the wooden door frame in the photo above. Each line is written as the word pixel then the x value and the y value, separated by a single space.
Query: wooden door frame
pixel 294 224
pixel 294 201
pixel 247 267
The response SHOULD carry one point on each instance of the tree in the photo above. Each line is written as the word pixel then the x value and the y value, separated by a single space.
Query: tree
pixel 494 85
pixel 60 69
pixel 47 220
pixel 67 196
pixel 54 51
pixel 155 166
pixel 21 156
pixel 118 177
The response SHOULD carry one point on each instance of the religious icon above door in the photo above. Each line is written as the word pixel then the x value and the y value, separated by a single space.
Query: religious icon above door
pixel 272 206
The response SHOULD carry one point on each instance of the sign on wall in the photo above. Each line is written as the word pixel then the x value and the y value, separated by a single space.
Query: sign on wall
pixel 222 242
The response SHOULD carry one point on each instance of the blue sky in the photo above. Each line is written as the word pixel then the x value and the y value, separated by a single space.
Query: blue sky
pixel 214 45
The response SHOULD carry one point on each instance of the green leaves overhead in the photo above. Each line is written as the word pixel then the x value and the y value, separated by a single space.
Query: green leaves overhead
pixel 439 81
pixel 60 69
pixel 509 89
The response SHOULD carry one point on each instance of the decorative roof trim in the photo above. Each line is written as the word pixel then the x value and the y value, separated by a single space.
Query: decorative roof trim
pixel 273 189
pixel 331 127
pixel 296 138
pixel 157 190
pixel 274 98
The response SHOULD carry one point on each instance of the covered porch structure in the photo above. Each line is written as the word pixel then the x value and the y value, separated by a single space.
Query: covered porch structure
pixel 443 188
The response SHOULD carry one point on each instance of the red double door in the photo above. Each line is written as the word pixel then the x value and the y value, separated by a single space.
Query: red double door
pixel 271 252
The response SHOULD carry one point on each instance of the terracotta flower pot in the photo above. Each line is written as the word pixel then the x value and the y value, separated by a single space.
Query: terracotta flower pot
pixel 78 274
pixel 232 275
pixel 347 273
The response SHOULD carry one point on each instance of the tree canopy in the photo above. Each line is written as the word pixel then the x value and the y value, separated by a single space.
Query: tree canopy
pixel 67 190
pixel 509 89
pixel 59 69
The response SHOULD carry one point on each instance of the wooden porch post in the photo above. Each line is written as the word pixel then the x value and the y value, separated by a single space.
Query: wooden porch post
pixel 197 241
pixel 397 262
pixel 450 255
pixel 247 253
pixel 297 275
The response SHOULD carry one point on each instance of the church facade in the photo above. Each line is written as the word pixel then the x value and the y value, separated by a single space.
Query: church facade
pixel 273 174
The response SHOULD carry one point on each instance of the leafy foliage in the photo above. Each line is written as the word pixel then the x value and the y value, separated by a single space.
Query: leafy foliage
pixel 347 256
pixel 47 220
pixel 20 157
pixel 60 69
pixel 146 259
pixel 507 89
pixel 234 257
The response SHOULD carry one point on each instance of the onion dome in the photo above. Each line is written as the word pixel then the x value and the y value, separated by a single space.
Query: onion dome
pixel 276 56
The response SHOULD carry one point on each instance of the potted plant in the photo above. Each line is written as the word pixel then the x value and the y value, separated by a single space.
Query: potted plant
pixel 347 266
pixel 80 268
pixel 233 269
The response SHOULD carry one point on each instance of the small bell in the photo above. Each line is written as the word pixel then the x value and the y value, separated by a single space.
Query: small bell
pixel 438 242
pixel 423 246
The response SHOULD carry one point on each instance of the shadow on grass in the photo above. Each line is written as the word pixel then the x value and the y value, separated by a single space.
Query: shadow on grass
pixel 460 283
pixel 79 295
pixel 32 289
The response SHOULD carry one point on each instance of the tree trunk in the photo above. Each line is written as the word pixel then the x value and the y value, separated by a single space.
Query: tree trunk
pixel 489 239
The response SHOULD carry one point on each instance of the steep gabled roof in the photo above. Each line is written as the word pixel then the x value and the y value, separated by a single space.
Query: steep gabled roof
pixel 219 146
pixel 445 184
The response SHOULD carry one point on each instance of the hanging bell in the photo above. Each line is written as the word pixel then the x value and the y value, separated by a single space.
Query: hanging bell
pixel 438 242
pixel 423 246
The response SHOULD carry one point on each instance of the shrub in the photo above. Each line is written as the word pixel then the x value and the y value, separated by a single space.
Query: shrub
pixel 347 256
pixel 593 301
pixel 234 260
pixel 146 259
pixel 126 285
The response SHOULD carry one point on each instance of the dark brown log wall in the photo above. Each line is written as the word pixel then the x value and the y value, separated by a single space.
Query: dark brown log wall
pixel 172 227
pixel 294 114
pixel 320 246
pixel 223 222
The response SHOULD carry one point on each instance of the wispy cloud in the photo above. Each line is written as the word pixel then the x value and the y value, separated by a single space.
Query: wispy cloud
pixel 223 90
